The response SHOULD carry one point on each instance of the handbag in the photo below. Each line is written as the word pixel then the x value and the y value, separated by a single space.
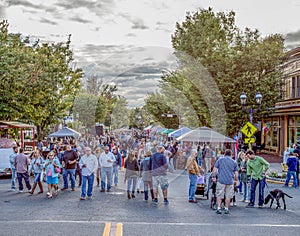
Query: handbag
pixel 57 170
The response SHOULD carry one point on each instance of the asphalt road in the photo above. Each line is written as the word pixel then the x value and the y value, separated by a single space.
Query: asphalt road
pixel 113 214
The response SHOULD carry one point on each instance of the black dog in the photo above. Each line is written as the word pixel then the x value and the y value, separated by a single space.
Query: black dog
pixel 276 194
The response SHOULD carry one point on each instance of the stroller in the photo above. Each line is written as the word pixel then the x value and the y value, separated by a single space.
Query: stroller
pixel 201 188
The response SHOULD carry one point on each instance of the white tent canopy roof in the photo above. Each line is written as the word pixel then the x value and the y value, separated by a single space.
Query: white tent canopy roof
pixel 205 134
pixel 65 132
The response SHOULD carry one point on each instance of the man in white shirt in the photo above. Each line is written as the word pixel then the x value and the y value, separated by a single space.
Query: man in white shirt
pixel 106 161
pixel 89 165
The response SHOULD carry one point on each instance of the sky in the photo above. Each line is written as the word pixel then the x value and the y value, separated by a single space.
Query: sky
pixel 128 42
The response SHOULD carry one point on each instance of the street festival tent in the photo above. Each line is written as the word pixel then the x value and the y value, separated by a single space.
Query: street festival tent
pixel 65 132
pixel 167 131
pixel 148 128
pixel 179 132
pixel 205 135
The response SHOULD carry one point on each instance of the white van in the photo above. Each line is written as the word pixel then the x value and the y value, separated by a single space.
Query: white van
pixel 4 161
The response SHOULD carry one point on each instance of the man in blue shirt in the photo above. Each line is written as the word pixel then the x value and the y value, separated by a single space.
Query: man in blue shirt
pixel 159 166
pixel 227 179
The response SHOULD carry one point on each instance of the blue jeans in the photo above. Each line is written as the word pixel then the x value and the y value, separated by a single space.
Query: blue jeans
pixel 193 186
pixel 13 178
pixel 246 191
pixel 65 173
pixel 240 186
pixel 261 186
pixel 24 176
pixel 171 164
pixel 90 180
pixel 116 174
pixel 133 180
pixel 288 177
pixel 106 172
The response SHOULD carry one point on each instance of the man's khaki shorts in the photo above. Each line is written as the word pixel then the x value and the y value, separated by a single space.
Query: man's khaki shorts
pixel 226 190
pixel 161 180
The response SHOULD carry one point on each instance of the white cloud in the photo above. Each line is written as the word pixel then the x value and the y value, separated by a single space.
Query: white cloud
pixel 116 38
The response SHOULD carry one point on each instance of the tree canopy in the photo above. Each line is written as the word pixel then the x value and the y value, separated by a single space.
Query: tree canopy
pixel 37 80
pixel 217 62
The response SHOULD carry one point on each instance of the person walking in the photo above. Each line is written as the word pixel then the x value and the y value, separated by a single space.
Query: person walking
pixel 106 161
pixel 292 163
pixel 244 178
pixel 159 166
pixel 147 176
pixel 256 170
pixel 69 162
pixel 225 173
pixel 12 159
pixel 89 165
pixel 193 171
pixel 21 164
pixel 208 156
pixel 131 174
pixel 116 165
pixel 37 167
pixel 52 167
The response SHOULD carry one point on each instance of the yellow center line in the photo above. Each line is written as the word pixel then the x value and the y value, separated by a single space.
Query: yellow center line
pixel 106 231
pixel 119 230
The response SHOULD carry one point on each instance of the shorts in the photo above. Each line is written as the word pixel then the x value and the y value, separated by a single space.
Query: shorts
pixel 162 180
pixel 37 177
pixel 226 190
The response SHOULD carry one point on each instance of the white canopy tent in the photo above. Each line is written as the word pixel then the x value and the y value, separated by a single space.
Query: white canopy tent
pixel 65 132
pixel 205 135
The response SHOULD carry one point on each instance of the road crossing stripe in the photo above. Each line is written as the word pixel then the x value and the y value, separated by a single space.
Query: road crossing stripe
pixel 119 230
pixel 106 231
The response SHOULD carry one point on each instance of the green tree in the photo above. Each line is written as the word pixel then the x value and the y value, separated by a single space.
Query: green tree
pixel 37 80
pixel 218 61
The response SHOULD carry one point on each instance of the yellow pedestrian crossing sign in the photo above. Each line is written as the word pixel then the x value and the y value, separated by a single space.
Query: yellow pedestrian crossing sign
pixel 249 129
pixel 250 140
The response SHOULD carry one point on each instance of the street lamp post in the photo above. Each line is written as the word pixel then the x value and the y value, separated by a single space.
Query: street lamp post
pixel 251 110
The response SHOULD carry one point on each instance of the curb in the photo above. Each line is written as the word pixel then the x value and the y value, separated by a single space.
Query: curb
pixel 277 181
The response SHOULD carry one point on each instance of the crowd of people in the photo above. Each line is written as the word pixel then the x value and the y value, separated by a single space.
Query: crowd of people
pixel 147 161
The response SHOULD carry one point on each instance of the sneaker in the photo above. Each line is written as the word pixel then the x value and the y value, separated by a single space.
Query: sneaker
pixel 193 201
pixel 218 211
pixel 82 198
pixel 155 202
pixel 89 197
pixel 128 195
pixel 243 200
pixel 260 206
pixel 73 189
pixel 226 211
pixel 102 190
pixel 166 202
pixel 132 195
pixel 20 191
pixel 247 201
pixel 250 205
pixel 63 189
pixel 13 190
